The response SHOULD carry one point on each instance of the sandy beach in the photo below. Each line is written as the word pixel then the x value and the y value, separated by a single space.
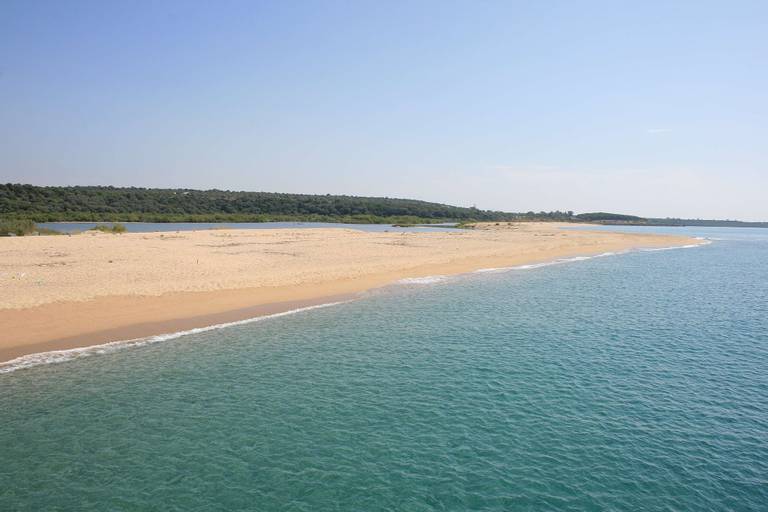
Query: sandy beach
pixel 59 292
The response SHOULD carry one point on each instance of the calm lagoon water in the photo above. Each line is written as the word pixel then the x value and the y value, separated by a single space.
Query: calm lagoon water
pixel 625 383
pixel 147 227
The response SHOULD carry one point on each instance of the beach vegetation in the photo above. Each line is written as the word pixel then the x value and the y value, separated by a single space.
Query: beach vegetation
pixel 47 231
pixel 116 227
pixel 16 227
pixel 23 227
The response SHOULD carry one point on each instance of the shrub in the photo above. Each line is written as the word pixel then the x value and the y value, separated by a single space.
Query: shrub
pixel 18 227
pixel 116 227
pixel 48 231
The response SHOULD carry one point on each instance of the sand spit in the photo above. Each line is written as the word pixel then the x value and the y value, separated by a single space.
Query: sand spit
pixel 59 292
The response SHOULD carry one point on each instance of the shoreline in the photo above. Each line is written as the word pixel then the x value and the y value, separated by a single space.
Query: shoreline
pixel 67 324
pixel 116 339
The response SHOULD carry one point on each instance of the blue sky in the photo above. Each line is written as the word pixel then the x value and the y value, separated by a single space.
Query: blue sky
pixel 653 108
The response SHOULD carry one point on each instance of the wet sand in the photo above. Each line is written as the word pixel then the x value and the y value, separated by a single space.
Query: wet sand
pixel 61 292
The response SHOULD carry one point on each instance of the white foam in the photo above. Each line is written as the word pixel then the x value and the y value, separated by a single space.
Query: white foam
pixel 60 356
pixel 689 246
pixel 423 280
pixel 492 269
pixel 559 261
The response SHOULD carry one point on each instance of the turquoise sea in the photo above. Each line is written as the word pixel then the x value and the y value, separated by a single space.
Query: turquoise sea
pixel 631 382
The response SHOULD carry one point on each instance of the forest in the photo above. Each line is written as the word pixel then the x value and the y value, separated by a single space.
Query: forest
pixel 19 202
pixel 113 204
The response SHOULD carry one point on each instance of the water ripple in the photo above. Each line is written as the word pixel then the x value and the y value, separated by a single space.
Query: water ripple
pixel 632 383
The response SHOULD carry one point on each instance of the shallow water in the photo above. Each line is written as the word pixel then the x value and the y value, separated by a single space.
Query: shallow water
pixel 629 382
pixel 148 227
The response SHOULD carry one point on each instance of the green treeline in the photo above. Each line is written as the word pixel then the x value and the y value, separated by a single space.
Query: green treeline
pixel 707 223
pixel 609 217
pixel 21 204
pixel 613 218
pixel 111 204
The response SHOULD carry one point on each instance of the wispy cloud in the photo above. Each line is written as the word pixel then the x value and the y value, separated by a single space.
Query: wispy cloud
pixel 658 130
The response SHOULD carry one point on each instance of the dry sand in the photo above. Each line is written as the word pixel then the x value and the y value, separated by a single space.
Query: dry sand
pixel 60 292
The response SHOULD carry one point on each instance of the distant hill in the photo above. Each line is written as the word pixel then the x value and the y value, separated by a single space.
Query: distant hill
pixel 130 204
pixel 612 218
pixel 706 223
